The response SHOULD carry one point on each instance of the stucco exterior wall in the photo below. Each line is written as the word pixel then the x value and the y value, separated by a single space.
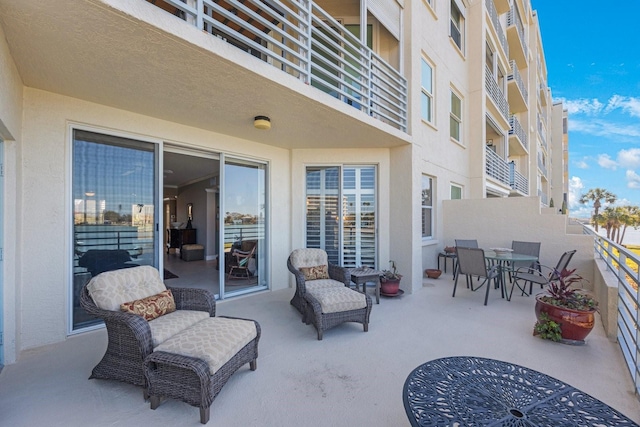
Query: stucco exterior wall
pixel 11 89
pixel 44 231
pixel 497 222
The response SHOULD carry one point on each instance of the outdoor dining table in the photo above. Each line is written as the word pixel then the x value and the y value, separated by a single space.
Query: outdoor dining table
pixel 503 260
pixel 475 391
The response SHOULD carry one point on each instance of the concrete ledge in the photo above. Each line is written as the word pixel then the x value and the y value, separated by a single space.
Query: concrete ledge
pixel 605 288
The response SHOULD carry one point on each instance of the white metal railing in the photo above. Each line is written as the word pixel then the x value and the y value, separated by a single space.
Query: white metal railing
pixel 493 13
pixel 515 128
pixel 518 181
pixel 496 167
pixel 496 93
pixel 517 77
pixel 624 265
pixel 514 19
pixel 301 39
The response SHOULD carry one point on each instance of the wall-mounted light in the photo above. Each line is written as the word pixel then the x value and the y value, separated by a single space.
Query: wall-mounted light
pixel 262 122
pixel 489 142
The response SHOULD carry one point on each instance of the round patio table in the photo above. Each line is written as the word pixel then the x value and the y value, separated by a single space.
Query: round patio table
pixel 474 391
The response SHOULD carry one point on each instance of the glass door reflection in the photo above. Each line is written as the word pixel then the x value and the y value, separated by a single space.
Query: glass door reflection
pixel 244 221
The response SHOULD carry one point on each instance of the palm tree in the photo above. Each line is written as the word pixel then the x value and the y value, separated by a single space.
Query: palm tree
pixel 631 218
pixel 596 195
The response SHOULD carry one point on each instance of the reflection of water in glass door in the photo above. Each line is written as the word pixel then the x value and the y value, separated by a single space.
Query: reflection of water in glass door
pixel 244 222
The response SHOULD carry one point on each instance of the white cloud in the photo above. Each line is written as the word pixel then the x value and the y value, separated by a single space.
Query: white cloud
pixel 629 158
pixel 633 179
pixel 582 106
pixel 627 104
pixel 605 161
pixel 575 192
pixel 604 128
pixel 581 164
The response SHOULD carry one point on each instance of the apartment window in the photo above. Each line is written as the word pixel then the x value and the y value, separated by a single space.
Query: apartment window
pixel 426 99
pixel 457 24
pixel 427 207
pixel 456 192
pixel 455 118
pixel 341 213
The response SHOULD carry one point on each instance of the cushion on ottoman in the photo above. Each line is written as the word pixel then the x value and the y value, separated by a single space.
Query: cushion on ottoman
pixel 215 340
pixel 164 327
pixel 313 285
pixel 333 300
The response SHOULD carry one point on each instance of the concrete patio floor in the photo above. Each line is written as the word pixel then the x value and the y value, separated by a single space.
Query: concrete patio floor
pixel 350 378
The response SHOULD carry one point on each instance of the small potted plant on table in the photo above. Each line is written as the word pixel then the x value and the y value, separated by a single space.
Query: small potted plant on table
pixel 565 313
pixel 390 281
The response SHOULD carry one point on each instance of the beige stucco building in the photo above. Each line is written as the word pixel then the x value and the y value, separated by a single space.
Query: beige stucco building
pixel 120 117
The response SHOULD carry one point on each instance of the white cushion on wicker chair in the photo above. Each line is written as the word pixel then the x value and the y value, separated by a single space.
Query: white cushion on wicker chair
pixel 333 300
pixel 112 288
pixel 313 285
pixel 164 327
pixel 215 340
pixel 308 257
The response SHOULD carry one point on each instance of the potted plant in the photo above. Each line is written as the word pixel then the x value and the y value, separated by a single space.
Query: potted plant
pixel 565 312
pixel 390 280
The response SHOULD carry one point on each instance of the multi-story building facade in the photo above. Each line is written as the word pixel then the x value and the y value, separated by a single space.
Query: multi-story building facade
pixel 333 124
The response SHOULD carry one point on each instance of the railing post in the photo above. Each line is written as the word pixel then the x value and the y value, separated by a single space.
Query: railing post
pixel 306 76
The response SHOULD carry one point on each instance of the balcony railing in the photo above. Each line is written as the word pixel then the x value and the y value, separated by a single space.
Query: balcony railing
pixel 497 168
pixel 493 13
pixel 624 265
pixel 496 93
pixel 514 19
pixel 515 76
pixel 517 181
pixel 301 39
pixel 517 130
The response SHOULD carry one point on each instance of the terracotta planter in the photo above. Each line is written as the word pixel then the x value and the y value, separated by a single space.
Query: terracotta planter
pixel 389 287
pixel 432 273
pixel 575 324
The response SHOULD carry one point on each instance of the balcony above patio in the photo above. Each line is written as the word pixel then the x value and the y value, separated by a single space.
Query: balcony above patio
pixel 214 71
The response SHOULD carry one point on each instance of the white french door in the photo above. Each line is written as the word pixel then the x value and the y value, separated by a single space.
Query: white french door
pixel 341 214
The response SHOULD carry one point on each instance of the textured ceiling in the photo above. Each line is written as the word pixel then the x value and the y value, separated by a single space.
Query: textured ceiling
pixel 128 54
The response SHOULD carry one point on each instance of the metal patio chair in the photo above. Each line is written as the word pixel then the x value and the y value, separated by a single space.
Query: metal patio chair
pixel 543 276
pixel 471 262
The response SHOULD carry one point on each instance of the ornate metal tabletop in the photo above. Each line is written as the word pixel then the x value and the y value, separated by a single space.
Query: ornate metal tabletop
pixel 474 391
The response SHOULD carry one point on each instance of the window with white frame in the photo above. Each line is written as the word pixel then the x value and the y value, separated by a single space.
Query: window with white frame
pixel 427 207
pixel 456 192
pixel 455 117
pixel 457 24
pixel 426 98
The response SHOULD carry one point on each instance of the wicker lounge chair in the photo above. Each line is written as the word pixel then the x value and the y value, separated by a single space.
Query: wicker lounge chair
pixel 129 335
pixel 326 300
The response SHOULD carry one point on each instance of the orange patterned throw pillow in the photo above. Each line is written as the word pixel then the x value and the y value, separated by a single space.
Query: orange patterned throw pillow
pixel 151 307
pixel 315 273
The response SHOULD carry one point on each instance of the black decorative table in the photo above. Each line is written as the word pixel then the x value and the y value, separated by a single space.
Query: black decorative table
pixel 473 391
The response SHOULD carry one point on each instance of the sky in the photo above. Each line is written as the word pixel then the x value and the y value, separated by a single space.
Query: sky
pixel 592 51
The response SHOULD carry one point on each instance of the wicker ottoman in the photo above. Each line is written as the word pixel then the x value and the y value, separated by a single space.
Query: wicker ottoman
pixel 195 364
pixel 192 252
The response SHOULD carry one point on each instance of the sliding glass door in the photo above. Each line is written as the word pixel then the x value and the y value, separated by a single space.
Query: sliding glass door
pixel 244 222
pixel 115 208
pixel 341 213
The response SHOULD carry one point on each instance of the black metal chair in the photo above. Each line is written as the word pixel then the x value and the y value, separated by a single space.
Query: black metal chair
pixel 471 262
pixel 543 276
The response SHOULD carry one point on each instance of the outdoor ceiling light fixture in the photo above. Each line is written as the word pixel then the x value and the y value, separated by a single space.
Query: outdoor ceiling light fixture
pixel 262 122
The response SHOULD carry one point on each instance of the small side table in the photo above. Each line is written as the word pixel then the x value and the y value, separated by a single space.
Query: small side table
pixel 362 275
pixel 448 255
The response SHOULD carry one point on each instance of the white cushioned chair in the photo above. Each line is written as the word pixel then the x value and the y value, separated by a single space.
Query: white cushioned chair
pixel 322 292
